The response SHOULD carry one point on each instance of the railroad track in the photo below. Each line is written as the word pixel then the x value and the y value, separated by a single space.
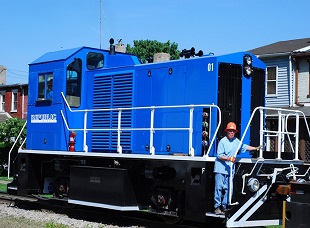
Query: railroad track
pixel 104 216
pixel 9 199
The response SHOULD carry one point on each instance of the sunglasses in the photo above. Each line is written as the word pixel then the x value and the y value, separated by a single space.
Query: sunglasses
pixel 231 131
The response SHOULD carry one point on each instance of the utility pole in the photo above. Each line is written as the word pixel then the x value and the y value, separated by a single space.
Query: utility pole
pixel 2 75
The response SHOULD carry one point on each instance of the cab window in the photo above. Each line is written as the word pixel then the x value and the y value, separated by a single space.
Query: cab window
pixel 94 60
pixel 73 82
pixel 45 86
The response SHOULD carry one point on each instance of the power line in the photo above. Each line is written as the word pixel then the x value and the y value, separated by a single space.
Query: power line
pixel 18 70
pixel 12 72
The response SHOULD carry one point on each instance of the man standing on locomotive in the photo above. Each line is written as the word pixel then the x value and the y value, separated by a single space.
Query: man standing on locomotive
pixel 225 154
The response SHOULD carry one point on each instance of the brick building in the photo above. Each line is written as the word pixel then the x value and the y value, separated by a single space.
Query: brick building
pixel 13 101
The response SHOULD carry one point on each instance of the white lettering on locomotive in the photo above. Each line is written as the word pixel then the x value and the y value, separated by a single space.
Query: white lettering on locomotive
pixel 44 118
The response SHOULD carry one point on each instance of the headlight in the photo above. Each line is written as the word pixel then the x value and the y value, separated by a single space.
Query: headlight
pixel 248 59
pixel 247 65
pixel 247 70
pixel 253 184
pixel 301 180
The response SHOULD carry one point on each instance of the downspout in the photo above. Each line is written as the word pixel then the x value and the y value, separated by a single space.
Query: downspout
pixel 296 82
pixel 293 94
pixel 23 102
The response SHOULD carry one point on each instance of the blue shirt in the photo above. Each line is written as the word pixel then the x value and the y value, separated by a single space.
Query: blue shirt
pixel 49 95
pixel 227 148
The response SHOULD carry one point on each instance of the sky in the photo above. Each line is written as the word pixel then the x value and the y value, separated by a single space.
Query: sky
pixel 30 28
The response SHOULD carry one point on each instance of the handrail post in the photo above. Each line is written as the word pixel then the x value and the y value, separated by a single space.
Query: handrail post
pixel 261 132
pixel 85 133
pixel 152 149
pixel 119 121
pixel 283 133
pixel 190 132
pixel 230 189
pixel 217 128
pixel 296 137
pixel 279 134
pixel 9 159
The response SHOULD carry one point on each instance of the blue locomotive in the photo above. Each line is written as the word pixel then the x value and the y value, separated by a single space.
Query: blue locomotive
pixel 104 130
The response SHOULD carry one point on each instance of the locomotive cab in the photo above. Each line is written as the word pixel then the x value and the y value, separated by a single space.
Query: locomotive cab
pixel 57 81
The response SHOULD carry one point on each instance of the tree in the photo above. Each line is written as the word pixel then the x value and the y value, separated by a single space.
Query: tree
pixel 9 131
pixel 145 49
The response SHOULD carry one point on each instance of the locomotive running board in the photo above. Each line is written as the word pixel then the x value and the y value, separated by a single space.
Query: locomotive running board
pixel 106 206
pixel 210 214
pixel 12 188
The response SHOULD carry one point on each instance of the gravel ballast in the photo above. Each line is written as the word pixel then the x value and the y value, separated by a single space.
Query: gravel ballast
pixel 11 216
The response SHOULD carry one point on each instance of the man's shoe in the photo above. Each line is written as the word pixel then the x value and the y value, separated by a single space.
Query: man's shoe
pixel 218 211
pixel 224 210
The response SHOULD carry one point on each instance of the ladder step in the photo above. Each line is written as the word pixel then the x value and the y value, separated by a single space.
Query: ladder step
pixel 210 214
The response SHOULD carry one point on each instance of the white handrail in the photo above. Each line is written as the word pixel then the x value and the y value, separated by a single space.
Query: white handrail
pixel 151 129
pixel 152 149
pixel 85 147
pixel 119 130
pixel 190 133
pixel 16 140
pixel 280 133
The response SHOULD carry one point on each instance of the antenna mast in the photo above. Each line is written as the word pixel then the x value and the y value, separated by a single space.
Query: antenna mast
pixel 100 23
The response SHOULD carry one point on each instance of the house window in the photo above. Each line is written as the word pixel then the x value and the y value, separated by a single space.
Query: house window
pixel 45 86
pixel 2 101
pixel 271 80
pixel 14 101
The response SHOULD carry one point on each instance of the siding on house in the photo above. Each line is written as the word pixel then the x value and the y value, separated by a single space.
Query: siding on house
pixel 292 58
pixel 303 81
pixel 282 98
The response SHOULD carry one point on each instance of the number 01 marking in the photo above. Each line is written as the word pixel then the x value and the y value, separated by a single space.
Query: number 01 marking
pixel 210 66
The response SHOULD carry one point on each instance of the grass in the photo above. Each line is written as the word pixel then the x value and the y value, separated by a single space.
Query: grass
pixel 3 185
pixel 53 225
pixel 3 188
pixel 46 196
pixel 5 178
